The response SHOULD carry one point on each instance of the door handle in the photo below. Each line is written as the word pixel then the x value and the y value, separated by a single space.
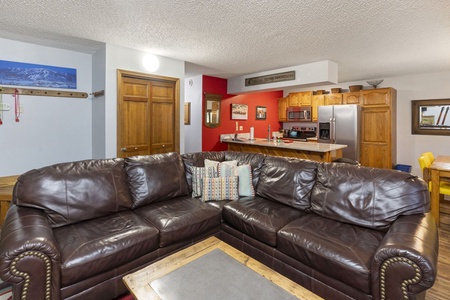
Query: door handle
pixel 123 149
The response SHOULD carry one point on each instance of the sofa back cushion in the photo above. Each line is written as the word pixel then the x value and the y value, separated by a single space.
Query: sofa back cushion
pixel 287 180
pixel 75 191
pixel 255 160
pixel 368 197
pixel 197 159
pixel 154 178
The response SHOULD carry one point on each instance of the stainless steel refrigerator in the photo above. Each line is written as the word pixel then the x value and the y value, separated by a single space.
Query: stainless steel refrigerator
pixel 339 124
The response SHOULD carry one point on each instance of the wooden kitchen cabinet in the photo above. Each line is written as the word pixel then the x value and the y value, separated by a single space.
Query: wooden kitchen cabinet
pixel 350 98
pixel 300 98
pixel 333 99
pixel 282 107
pixel 305 98
pixel 293 99
pixel 316 101
pixel 378 128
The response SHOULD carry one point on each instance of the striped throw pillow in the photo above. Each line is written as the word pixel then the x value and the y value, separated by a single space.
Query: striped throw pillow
pixel 244 172
pixel 221 188
pixel 198 173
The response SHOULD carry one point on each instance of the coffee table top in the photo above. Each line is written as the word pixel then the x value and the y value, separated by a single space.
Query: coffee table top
pixel 139 283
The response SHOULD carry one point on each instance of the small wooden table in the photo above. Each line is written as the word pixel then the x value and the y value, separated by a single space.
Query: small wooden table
pixel 6 190
pixel 138 283
pixel 438 169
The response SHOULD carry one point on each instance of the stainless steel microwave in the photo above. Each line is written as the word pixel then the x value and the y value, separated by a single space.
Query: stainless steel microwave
pixel 299 114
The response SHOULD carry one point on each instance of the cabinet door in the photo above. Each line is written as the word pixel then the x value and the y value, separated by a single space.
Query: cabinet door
pixel 333 99
pixel 282 106
pixel 294 99
pixel 376 138
pixel 317 100
pixel 351 98
pixel 376 155
pixel 305 98
pixel 376 97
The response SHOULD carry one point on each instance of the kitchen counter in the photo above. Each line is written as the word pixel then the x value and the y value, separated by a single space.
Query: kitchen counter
pixel 305 150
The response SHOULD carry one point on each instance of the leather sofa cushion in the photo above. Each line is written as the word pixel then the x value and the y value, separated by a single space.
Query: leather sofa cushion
pixel 336 249
pixel 368 197
pixel 197 159
pixel 154 178
pixel 95 246
pixel 287 180
pixel 255 160
pixel 180 219
pixel 75 191
pixel 259 218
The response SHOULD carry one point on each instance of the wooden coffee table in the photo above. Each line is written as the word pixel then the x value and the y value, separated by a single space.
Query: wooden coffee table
pixel 138 283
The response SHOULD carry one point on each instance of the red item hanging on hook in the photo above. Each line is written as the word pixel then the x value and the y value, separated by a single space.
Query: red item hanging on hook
pixel 1 111
pixel 16 104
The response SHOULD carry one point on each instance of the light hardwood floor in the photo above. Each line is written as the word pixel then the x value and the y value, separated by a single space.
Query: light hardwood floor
pixel 441 288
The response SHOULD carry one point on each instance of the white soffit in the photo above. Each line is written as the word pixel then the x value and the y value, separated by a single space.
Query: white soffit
pixel 312 74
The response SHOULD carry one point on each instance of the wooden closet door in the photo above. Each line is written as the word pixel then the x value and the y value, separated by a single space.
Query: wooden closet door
pixel 133 117
pixel 147 114
pixel 163 117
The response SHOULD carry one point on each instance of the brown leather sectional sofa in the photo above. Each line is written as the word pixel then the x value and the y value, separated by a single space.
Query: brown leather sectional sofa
pixel 340 230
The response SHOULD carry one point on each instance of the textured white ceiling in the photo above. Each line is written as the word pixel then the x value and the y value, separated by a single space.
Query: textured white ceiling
pixel 367 39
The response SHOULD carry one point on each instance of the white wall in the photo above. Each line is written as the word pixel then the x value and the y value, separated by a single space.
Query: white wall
pixel 411 87
pixel 51 129
pixel 193 132
pixel 99 104
pixel 118 57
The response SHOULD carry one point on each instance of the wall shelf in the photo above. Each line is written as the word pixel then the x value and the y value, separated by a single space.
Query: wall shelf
pixel 37 92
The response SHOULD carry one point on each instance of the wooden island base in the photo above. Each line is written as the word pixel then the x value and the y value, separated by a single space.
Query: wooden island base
pixel 328 156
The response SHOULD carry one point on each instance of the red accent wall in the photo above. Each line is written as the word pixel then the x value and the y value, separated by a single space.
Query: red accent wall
pixel 211 136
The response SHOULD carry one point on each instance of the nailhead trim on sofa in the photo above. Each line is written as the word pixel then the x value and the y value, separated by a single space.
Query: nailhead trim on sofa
pixel 406 282
pixel 27 278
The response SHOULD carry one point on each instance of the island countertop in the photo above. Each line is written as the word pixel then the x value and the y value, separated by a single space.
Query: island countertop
pixel 305 150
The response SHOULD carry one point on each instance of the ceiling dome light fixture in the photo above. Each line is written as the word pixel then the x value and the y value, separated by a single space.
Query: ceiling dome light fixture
pixel 150 62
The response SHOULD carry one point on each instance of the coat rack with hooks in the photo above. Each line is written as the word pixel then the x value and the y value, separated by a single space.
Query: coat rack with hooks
pixel 37 92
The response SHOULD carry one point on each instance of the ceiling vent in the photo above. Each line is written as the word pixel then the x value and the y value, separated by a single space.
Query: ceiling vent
pixel 313 74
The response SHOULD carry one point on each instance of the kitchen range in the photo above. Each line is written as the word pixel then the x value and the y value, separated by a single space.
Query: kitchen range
pixel 300 133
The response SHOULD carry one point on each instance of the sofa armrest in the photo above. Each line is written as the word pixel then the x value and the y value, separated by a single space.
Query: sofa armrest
pixel 29 258
pixel 405 264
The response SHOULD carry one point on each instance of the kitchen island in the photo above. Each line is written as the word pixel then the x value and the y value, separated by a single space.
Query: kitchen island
pixel 305 150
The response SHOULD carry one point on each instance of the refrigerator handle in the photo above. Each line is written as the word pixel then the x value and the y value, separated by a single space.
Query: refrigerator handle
pixel 333 130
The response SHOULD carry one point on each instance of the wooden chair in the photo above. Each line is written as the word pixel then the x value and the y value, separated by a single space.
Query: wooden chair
pixel 444 187
pixel 429 155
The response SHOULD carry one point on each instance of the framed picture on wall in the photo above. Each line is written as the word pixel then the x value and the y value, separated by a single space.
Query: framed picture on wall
pixel 261 112
pixel 239 111
pixel 187 113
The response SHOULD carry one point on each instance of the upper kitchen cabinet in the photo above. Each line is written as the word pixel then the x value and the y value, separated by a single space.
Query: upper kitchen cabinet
pixel 316 101
pixel 350 98
pixel 282 107
pixel 333 99
pixel 378 128
pixel 300 99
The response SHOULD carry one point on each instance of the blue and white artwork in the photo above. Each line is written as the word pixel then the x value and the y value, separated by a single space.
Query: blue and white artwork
pixel 25 74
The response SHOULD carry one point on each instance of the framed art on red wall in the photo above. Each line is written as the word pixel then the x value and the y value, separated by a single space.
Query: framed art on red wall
pixel 239 111
pixel 261 112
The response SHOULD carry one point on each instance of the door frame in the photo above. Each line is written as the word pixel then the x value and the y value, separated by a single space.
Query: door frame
pixel 138 75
